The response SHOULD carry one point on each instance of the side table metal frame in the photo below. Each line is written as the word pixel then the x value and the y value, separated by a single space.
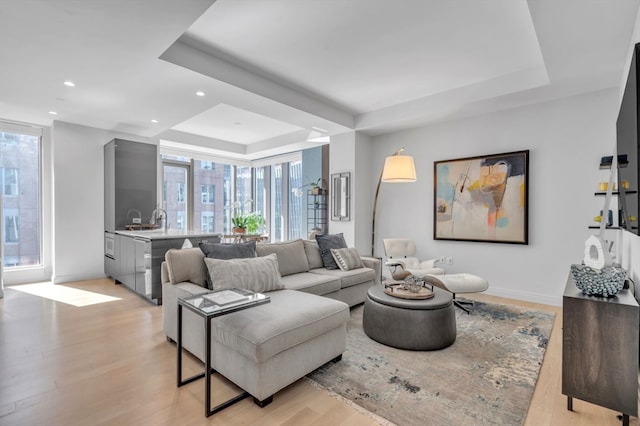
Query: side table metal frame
pixel 208 411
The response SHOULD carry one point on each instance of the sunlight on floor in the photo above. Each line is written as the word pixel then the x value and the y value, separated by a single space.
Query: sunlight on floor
pixel 60 293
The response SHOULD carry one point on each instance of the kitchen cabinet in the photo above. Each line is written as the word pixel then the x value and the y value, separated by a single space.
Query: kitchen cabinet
pixel 139 256
pixel 130 176
pixel 125 259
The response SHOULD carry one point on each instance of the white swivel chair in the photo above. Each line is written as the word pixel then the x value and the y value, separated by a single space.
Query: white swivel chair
pixel 400 254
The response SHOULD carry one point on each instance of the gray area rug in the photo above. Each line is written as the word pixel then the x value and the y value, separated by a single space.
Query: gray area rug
pixel 486 377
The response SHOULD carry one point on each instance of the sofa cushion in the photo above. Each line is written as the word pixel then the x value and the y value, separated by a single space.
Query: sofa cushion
pixel 348 278
pixel 259 274
pixel 229 251
pixel 347 258
pixel 326 242
pixel 186 265
pixel 312 283
pixel 291 318
pixel 312 251
pixel 291 256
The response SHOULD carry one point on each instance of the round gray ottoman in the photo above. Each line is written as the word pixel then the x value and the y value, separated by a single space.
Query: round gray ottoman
pixel 419 325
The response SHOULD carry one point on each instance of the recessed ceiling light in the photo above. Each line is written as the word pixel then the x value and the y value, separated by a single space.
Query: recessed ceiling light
pixel 154 121
pixel 199 93
pixel 69 83
pixel 53 113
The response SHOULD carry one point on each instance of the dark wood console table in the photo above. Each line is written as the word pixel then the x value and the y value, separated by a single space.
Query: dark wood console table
pixel 600 350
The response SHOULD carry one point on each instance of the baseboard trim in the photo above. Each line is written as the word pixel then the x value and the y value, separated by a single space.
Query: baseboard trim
pixel 61 279
pixel 526 296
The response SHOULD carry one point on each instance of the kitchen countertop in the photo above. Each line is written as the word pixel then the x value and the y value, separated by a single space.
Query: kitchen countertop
pixel 161 234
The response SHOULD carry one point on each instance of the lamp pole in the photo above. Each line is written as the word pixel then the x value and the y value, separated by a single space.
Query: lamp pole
pixel 375 200
pixel 373 219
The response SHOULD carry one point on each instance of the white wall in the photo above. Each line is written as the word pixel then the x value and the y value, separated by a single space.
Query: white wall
pixel 342 158
pixel 361 195
pixel 78 171
pixel 566 139
pixel 351 152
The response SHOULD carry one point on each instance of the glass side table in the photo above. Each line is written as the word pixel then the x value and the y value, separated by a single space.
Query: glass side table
pixel 208 306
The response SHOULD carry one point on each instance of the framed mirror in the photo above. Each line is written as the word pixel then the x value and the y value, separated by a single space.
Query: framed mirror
pixel 340 196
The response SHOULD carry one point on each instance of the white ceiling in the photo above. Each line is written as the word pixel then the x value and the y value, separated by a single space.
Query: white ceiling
pixel 278 73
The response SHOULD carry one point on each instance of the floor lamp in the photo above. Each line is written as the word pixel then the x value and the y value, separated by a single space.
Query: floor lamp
pixel 397 169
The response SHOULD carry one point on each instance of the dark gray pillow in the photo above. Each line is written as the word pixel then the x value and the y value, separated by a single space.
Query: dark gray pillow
pixel 327 242
pixel 227 251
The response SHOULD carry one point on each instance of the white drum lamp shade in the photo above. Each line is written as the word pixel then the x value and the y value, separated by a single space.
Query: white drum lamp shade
pixel 397 169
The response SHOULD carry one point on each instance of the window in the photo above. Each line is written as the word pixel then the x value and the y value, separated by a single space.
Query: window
pixel 277 219
pixel 208 222
pixel 243 188
pixel 20 177
pixel 10 181
pixel 203 195
pixel 175 196
pixel 208 193
pixel 295 225
pixel 180 223
pixel 180 196
pixel 10 261
pixel 11 226
pixel 260 197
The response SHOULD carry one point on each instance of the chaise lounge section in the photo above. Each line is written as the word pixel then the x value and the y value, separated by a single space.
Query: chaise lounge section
pixel 265 348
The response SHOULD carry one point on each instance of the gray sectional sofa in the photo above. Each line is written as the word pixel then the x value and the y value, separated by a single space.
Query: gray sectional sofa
pixel 265 348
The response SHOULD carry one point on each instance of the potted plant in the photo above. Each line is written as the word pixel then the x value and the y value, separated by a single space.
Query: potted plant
pixel 254 222
pixel 239 224
pixel 317 187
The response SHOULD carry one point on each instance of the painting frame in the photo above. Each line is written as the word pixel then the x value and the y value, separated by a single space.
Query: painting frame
pixel 483 198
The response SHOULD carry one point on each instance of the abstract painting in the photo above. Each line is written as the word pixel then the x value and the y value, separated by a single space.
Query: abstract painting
pixel 482 198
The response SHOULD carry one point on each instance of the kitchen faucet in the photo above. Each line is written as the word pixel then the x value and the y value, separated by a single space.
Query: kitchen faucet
pixel 163 216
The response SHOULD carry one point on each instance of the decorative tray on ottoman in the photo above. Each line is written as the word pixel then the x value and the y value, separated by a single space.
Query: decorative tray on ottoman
pixel 403 290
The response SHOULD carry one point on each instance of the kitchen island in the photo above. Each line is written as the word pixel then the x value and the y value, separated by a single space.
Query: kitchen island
pixel 138 257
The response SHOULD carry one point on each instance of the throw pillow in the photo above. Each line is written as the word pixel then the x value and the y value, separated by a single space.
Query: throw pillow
pixel 186 265
pixel 326 242
pixel 291 256
pixel 259 274
pixel 347 258
pixel 313 254
pixel 229 251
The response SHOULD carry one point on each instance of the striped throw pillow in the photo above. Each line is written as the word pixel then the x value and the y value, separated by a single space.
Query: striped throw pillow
pixel 347 258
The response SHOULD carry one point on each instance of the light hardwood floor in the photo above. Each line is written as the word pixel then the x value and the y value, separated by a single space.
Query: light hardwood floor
pixel 110 364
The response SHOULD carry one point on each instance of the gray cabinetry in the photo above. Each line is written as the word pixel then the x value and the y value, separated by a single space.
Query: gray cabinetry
pixel 130 175
pixel 127 262
pixel 142 251
pixel 138 261
pixel 600 349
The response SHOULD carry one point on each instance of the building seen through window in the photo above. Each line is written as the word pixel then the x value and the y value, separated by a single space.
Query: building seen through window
pixel 210 194
pixel 21 198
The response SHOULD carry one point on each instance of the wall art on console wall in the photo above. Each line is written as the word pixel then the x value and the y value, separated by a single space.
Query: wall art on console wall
pixel 482 198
